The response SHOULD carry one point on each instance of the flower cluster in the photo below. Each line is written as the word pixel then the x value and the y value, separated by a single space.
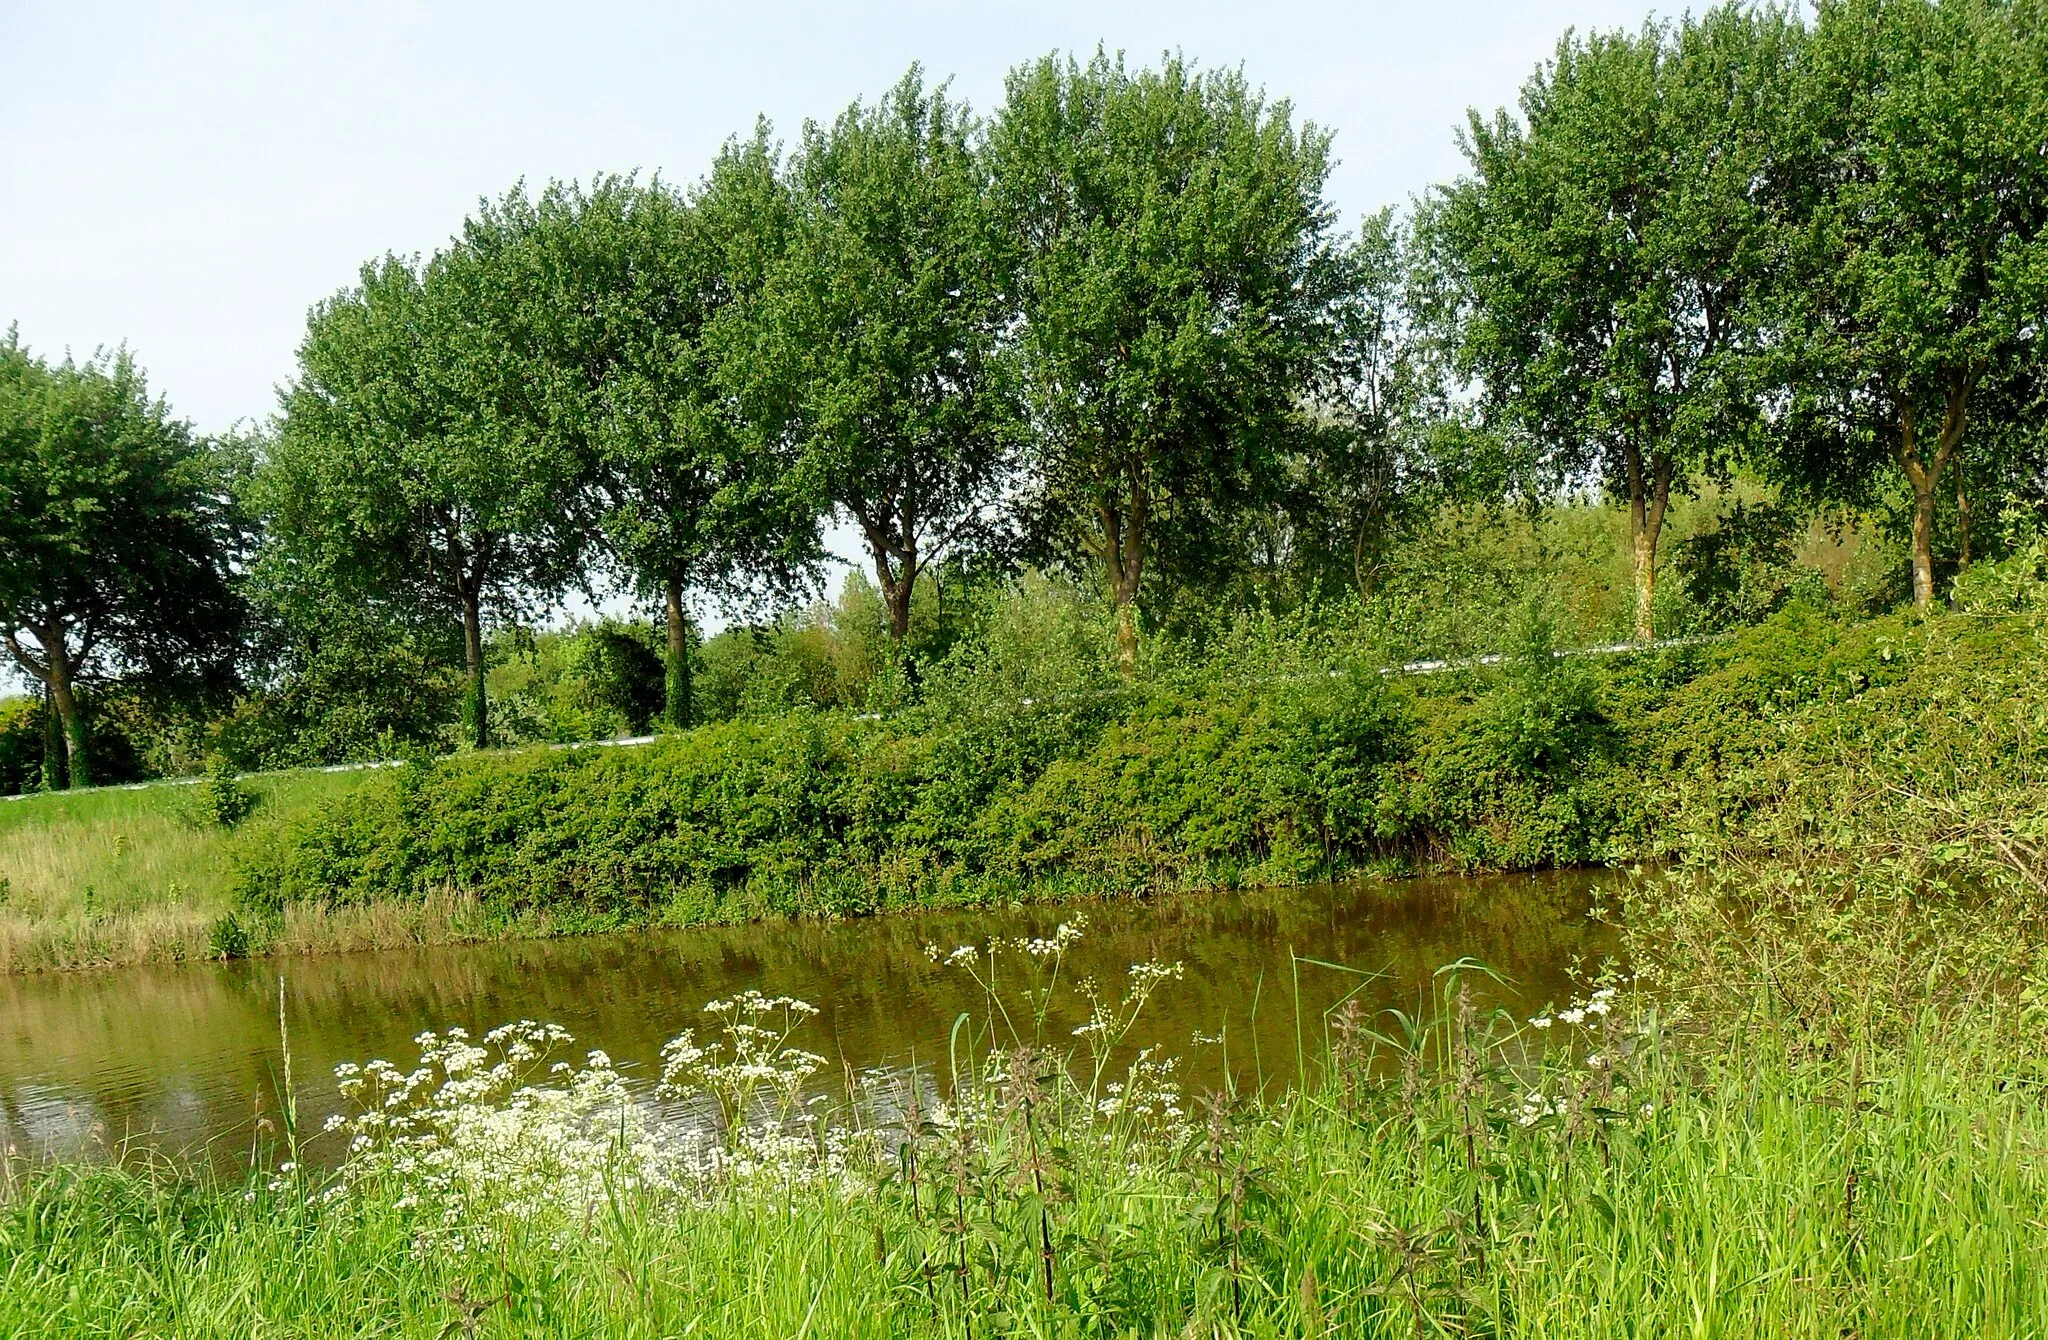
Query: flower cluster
pixel 479 1132
pixel 1148 1092
pixel 1593 1085
pixel 502 1125
pixel 1596 1006
pixel 749 1070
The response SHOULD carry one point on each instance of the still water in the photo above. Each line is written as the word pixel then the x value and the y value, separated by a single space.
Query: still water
pixel 186 1058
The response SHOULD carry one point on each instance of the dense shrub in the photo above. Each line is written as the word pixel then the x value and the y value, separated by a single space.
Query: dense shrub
pixel 1027 768
pixel 591 682
pixel 21 745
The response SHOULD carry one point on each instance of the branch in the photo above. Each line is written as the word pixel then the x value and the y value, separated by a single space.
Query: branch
pixel 22 657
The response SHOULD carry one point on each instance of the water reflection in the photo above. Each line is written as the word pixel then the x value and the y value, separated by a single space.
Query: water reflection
pixel 186 1058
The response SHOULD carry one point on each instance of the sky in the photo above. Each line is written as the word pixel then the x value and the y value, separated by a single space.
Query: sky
pixel 191 179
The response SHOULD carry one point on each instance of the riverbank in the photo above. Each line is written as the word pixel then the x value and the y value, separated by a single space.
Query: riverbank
pixel 1805 1101
pixel 1706 1156
pixel 1272 762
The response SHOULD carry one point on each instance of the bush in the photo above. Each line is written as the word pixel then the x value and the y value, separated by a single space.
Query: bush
pixel 21 745
pixel 224 801
pixel 593 682
pixel 229 938
pixel 1029 768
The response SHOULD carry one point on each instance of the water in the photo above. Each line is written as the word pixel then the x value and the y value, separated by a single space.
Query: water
pixel 186 1058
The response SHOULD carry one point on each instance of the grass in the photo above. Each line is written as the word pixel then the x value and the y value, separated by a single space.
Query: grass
pixel 1746 1185
pixel 124 874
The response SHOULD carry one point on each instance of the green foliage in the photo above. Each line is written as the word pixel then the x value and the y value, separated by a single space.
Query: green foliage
pixel 229 938
pixel 1598 263
pixel 1912 210
pixel 428 464
pixel 1030 768
pixel 1384 448
pixel 350 686
pixel 21 745
pixel 881 332
pixel 594 682
pixel 1174 266
pixel 115 541
pixel 1742 570
pixel 223 801
pixel 660 288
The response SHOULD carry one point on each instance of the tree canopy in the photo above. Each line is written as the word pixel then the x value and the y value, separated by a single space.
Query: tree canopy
pixel 1912 195
pixel 687 496
pixel 1174 261
pixel 1599 260
pixel 116 537
pixel 428 458
pixel 885 319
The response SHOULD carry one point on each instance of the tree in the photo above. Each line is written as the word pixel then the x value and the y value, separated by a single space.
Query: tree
pixel 427 459
pixel 884 320
pixel 1597 260
pixel 1386 446
pixel 1174 270
pixel 115 538
pixel 1911 186
pixel 687 496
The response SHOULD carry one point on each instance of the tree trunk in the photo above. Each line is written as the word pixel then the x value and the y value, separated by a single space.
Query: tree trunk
pixel 63 696
pixel 1924 476
pixel 676 704
pixel 1123 560
pixel 61 715
pixel 1923 544
pixel 896 590
pixel 475 709
pixel 53 745
pixel 1649 496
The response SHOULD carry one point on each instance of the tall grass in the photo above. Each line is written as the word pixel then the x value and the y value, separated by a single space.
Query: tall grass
pixel 119 875
pixel 1448 1173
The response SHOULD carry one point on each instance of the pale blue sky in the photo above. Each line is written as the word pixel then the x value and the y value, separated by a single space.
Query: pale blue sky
pixel 191 178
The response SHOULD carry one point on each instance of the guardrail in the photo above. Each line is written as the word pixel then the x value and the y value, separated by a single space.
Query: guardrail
pixel 631 741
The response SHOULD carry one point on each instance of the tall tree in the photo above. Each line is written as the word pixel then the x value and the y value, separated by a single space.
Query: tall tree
pixel 427 457
pixel 644 279
pixel 1597 259
pixel 116 536
pixel 1174 270
pixel 1912 186
pixel 885 318
pixel 1387 446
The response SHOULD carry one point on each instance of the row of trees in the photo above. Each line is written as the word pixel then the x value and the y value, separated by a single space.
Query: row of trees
pixel 1086 324
pixel 1819 248
pixel 1115 325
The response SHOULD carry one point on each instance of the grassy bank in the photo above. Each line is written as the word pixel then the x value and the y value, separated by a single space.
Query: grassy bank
pixel 1711 1160
pixel 128 874
pixel 1030 771
pixel 1807 1101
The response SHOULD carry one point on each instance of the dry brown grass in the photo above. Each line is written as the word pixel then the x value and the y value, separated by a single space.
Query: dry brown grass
pixel 174 932
pixel 442 918
pixel 162 933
